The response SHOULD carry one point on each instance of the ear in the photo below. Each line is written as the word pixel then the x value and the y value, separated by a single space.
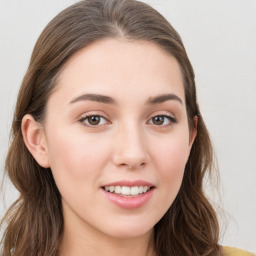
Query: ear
pixel 35 140
pixel 193 133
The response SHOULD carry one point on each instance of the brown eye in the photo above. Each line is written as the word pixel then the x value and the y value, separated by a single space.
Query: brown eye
pixel 158 120
pixel 162 120
pixel 93 120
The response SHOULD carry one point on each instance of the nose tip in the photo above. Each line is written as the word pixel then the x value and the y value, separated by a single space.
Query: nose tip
pixel 130 151
pixel 131 163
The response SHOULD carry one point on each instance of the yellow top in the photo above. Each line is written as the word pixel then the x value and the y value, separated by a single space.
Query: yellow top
pixel 230 251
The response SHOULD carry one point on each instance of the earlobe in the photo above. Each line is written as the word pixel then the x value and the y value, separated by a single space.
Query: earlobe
pixel 35 141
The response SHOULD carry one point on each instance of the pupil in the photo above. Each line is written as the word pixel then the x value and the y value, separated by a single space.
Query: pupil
pixel 94 120
pixel 158 120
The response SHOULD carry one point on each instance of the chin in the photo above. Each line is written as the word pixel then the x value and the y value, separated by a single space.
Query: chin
pixel 129 229
pixel 131 233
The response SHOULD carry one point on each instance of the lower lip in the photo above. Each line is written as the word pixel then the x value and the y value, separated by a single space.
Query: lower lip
pixel 128 203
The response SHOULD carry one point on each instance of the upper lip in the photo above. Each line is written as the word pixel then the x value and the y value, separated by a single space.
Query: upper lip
pixel 129 183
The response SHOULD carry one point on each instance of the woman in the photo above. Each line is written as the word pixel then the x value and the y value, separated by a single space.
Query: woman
pixel 109 147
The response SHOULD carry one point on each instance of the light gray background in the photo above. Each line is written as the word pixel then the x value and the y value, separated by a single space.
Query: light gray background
pixel 220 38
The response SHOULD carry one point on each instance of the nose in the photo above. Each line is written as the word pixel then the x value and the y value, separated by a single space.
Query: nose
pixel 130 148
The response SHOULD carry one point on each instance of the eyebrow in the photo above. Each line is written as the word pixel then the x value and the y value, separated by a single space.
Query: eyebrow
pixel 164 97
pixel 108 100
pixel 94 97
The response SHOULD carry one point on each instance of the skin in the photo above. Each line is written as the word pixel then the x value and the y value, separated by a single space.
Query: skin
pixel 127 143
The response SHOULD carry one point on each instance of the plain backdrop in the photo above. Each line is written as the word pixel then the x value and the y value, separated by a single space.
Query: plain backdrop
pixel 220 38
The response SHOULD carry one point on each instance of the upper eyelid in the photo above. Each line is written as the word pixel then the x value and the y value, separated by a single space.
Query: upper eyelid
pixel 93 113
pixel 90 115
pixel 162 113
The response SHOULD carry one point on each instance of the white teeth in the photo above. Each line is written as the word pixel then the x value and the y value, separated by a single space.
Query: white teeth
pixel 134 191
pixel 118 190
pixel 127 191
pixel 145 189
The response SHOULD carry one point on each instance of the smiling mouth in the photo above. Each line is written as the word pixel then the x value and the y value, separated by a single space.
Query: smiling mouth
pixel 127 191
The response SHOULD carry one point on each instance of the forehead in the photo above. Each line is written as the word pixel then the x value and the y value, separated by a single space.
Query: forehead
pixel 113 66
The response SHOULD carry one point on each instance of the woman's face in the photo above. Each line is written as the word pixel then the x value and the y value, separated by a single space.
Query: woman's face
pixel 117 137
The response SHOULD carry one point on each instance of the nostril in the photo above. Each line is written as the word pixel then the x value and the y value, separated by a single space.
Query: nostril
pixel 135 166
pixel 132 166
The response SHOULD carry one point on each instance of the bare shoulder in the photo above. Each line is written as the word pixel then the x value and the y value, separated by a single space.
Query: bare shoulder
pixel 231 251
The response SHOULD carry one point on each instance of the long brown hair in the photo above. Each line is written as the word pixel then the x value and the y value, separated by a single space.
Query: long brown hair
pixel 35 222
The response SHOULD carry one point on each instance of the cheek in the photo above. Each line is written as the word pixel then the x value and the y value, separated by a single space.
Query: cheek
pixel 171 159
pixel 172 155
pixel 76 157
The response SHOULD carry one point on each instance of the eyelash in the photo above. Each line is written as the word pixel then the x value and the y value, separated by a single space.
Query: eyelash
pixel 171 120
pixel 85 118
